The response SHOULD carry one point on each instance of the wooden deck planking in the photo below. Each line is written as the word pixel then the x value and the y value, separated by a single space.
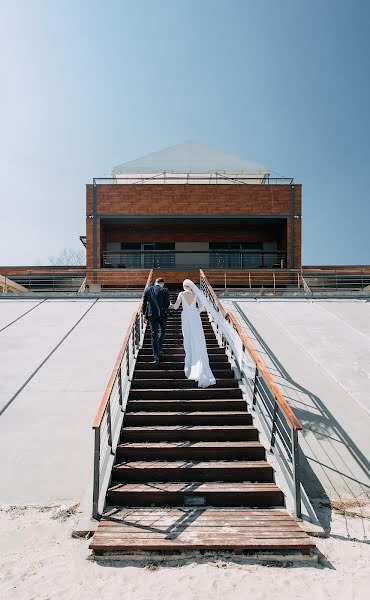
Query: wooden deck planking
pixel 198 529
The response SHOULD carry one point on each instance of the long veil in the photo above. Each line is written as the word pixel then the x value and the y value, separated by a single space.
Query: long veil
pixel 236 344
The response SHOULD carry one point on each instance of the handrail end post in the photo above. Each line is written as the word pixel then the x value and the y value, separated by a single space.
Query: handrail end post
pixel 296 474
pixel 96 482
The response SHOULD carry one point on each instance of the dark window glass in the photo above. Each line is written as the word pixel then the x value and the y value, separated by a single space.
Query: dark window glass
pixel 218 246
pixel 130 246
pixel 166 246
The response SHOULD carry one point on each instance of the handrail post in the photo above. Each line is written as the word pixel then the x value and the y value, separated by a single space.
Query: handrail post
pixel 96 488
pixel 120 396
pixel 273 428
pixel 109 423
pixel 254 399
pixel 296 474
pixel 133 339
pixel 127 361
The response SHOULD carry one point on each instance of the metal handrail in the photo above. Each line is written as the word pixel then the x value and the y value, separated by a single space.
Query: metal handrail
pixel 214 177
pixel 108 419
pixel 195 259
pixel 270 280
pixel 280 422
pixel 82 287
pixel 206 252
pixel 260 281
pixel 306 287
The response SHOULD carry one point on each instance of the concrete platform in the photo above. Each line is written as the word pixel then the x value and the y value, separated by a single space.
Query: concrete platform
pixel 45 434
pixel 319 354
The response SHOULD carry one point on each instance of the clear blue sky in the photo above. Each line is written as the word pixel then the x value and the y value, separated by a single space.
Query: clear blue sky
pixel 87 85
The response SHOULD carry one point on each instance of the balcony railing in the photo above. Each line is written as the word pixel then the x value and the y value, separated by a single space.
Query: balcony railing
pixel 215 178
pixel 184 260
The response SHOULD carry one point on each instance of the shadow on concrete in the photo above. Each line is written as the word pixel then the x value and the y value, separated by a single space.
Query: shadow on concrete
pixel 316 419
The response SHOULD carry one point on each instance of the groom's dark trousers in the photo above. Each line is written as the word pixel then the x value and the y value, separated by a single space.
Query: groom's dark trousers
pixel 155 304
pixel 158 332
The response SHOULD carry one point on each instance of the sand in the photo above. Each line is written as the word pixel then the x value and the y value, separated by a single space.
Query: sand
pixel 39 560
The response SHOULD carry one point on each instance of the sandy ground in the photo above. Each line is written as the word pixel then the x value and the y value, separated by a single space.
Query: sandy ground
pixel 39 560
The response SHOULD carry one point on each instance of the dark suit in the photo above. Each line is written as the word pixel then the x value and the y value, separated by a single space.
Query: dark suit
pixel 155 304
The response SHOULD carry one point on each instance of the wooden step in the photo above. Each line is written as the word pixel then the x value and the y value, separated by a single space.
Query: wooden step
pixel 166 404
pixel 179 351
pixel 178 339
pixel 184 393
pixel 176 332
pixel 172 339
pixel 164 374
pixel 176 361
pixel 212 494
pixel 143 471
pixel 201 450
pixel 164 384
pixel 183 529
pixel 135 419
pixel 166 366
pixel 216 433
pixel 170 345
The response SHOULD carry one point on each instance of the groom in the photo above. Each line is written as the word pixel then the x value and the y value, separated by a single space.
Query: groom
pixel 155 306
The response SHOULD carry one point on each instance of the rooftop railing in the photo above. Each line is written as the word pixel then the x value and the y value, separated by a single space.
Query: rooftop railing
pixel 269 281
pixel 216 177
pixel 45 279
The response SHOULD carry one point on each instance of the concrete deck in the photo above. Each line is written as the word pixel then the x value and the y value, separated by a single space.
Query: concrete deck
pixel 318 352
pixel 46 451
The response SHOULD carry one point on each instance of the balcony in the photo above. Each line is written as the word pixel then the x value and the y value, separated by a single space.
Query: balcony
pixel 177 260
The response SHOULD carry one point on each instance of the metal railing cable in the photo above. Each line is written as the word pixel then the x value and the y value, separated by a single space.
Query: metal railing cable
pixel 108 420
pixel 276 416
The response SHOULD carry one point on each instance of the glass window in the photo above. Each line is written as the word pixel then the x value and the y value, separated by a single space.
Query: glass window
pixel 230 255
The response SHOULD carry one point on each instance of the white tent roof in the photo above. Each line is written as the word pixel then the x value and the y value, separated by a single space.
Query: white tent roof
pixel 190 157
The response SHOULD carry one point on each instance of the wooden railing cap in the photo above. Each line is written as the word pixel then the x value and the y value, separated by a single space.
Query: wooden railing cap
pixel 108 390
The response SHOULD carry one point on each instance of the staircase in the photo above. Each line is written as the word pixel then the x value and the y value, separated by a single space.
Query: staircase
pixel 190 471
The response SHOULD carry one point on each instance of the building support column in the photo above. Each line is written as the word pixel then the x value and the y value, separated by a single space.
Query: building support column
pixel 292 227
pixel 94 232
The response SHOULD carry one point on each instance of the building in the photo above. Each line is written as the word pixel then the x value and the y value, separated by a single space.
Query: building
pixel 190 207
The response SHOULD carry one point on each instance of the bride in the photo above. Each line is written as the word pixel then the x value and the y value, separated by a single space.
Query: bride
pixel 197 367
pixel 196 355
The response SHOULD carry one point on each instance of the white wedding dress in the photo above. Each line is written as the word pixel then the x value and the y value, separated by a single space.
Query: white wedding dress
pixel 196 355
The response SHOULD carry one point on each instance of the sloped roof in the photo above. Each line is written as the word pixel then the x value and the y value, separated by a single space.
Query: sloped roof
pixel 189 157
